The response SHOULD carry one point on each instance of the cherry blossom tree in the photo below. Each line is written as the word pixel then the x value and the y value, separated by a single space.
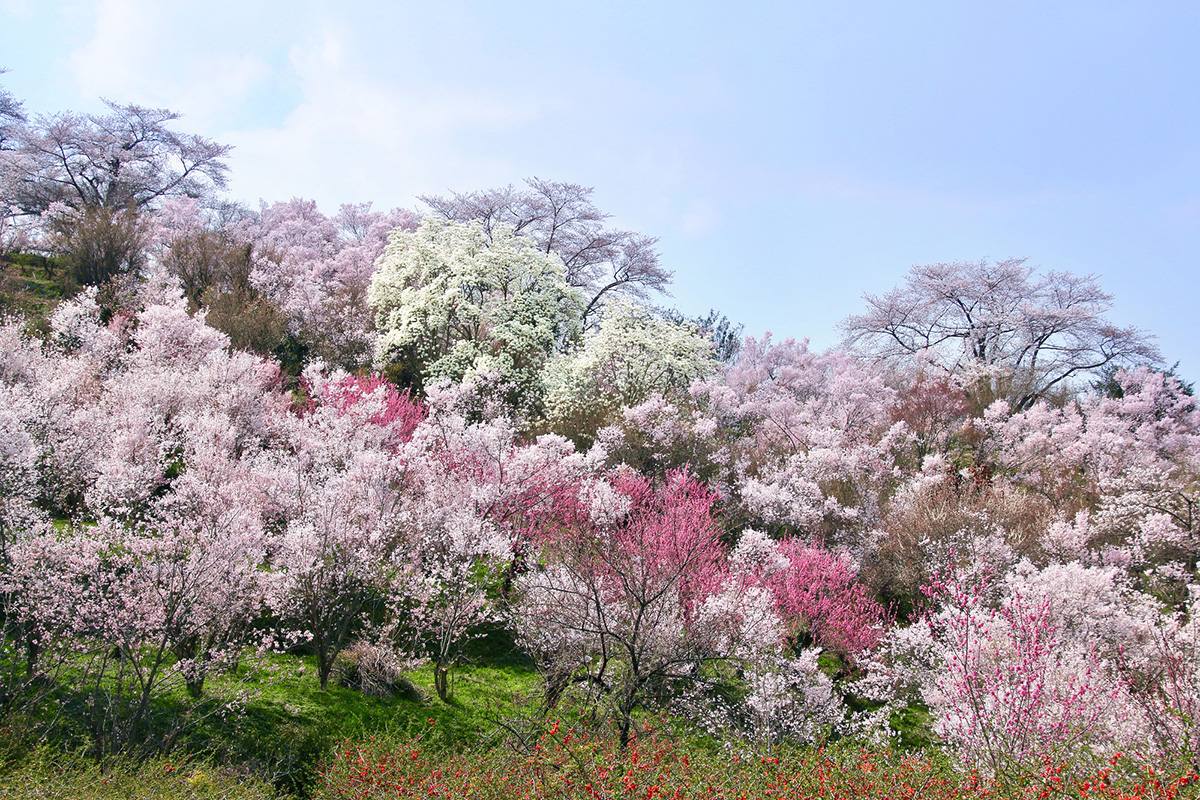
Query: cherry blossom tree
pixel 139 612
pixel 316 270
pixel 1123 469
pixel 998 327
pixel 339 487
pixel 128 157
pixel 815 450
pixel 481 496
pixel 11 115
pixel 155 428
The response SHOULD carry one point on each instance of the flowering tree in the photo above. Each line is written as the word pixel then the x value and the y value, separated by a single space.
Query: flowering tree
pixel 1124 468
pixel 453 303
pixel 339 486
pixel 561 219
pixel 633 355
pixel 817 593
pixel 480 497
pixel 127 157
pixel 11 114
pixel 1036 664
pixel 20 519
pixel 1166 683
pixel 154 429
pixel 815 450
pixel 998 327
pixel 1013 691
pixel 398 413
pixel 628 595
pixel 316 270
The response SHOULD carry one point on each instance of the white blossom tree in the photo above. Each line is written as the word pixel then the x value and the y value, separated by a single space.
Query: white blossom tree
pixel 634 354
pixel 998 326
pixel 455 302
pixel 561 219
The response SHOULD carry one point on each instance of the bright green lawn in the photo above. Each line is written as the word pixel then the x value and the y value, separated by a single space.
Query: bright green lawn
pixel 289 724
pixel 286 725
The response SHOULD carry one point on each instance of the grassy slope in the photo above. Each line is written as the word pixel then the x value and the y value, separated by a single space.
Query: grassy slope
pixel 288 724
pixel 31 285
pixel 47 774
pixel 285 726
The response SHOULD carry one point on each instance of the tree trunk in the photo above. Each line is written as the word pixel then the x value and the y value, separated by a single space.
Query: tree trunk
pixel 441 681
pixel 32 651
pixel 324 667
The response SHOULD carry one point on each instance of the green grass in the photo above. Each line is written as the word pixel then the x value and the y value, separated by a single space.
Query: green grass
pixel 288 723
pixel 31 285
pixel 282 725
pixel 46 774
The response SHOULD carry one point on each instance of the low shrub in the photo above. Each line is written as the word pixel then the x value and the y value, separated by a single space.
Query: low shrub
pixel 374 669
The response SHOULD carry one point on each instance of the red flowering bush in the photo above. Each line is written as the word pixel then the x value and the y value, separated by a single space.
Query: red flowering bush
pixel 566 764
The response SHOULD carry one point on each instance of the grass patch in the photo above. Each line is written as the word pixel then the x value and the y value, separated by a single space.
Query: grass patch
pixel 271 719
pixel 288 724
pixel 47 774
pixel 31 285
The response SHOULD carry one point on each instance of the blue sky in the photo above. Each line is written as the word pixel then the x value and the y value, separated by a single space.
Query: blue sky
pixel 789 157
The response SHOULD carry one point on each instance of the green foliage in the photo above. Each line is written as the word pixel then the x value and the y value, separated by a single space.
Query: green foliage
pixel 99 243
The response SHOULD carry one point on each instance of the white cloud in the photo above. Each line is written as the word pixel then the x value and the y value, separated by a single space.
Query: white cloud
pixel 151 53
pixel 22 9
pixel 353 137
pixel 343 133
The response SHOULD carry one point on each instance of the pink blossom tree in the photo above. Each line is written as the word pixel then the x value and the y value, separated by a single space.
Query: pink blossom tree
pixel 316 270
pixel 480 498
pixel 817 593
pixel 620 602
pixel 815 450
pixel 339 490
